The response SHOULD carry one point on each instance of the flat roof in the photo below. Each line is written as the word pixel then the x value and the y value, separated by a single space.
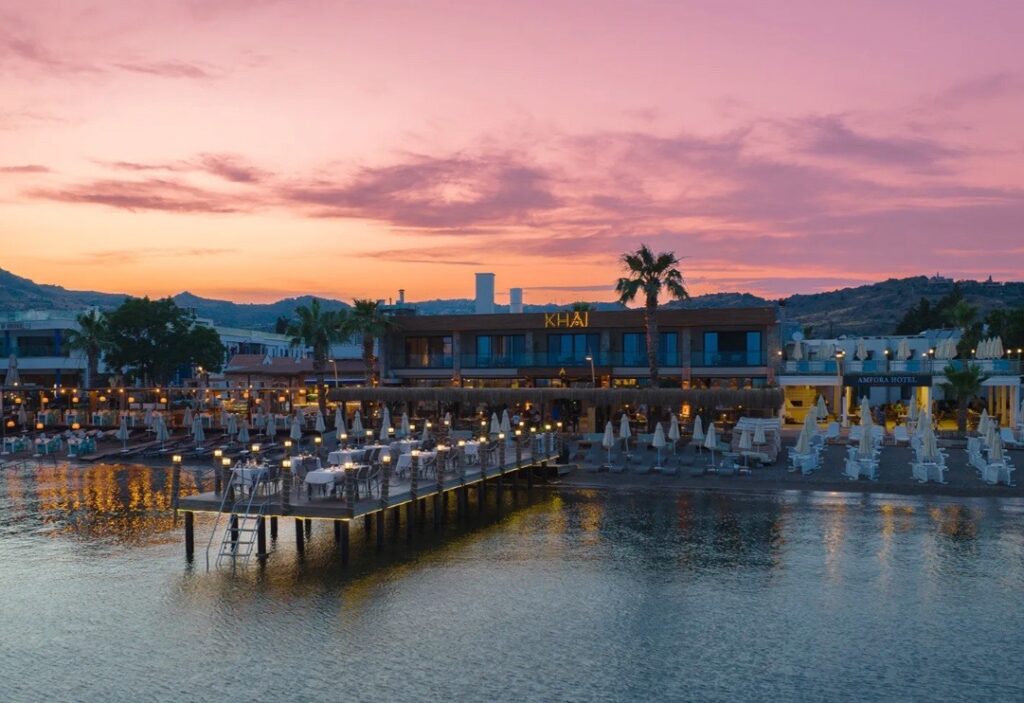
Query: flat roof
pixel 669 317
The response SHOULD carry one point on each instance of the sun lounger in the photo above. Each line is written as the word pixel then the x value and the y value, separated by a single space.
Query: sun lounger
pixel 1006 434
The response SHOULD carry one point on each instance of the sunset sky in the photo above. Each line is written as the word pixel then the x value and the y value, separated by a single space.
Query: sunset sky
pixel 256 150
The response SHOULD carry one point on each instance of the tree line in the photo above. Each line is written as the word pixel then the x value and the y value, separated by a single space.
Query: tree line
pixel 144 341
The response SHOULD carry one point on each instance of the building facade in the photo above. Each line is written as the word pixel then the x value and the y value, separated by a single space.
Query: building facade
pixel 834 369
pixel 696 348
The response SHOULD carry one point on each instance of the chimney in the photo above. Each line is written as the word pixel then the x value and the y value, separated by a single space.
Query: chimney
pixel 485 294
pixel 515 300
pixel 401 296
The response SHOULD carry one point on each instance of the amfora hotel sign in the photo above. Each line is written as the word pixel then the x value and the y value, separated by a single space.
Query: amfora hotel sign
pixel 566 320
pixel 875 379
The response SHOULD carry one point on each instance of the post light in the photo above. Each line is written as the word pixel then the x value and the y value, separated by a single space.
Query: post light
pixel 483 423
pixel 74 399
pixel 255 448
pixel 131 399
pixel 39 425
pixel 317 440
pixel 559 425
pixel 344 437
pixel 163 400
pixel 176 458
pixel 225 462
pixel 501 436
pixel 103 399
pixel 533 430
pixel 547 427
pixel 386 459
pixel 75 426
pixel 369 434
pixel 287 444
pixel 218 453
pixel 519 433
pixel 10 423
pixel 412 427
pixel 483 438
pixel 429 424
pixel 286 463
pixel 462 443
pixel 415 452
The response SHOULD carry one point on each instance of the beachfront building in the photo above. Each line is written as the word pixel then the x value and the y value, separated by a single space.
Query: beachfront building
pixel 892 370
pixel 697 348
pixel 37 339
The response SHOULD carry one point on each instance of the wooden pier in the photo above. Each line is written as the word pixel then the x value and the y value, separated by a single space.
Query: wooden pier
pixel 286 499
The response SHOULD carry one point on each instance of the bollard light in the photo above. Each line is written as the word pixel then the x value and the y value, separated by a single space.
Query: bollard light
pixel 286 463
pixel 176 458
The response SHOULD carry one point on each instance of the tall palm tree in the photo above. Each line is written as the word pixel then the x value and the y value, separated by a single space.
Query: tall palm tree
pixel 368 321
pixel 963 316
pixel 963 385
pixel 90 339
pixel 647 275
pixel 317 329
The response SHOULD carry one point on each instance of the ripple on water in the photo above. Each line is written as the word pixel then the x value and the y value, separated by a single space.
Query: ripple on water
pixel 575 596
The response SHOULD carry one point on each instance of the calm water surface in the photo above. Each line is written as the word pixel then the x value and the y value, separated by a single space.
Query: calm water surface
pixel 571 596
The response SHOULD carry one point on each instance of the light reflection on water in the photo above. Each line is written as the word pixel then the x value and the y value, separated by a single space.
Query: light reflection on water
pixel 571 595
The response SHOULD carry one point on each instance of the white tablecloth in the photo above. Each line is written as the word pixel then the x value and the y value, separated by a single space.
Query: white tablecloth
pixel 249 474
pixel 340 456
pixel 323 477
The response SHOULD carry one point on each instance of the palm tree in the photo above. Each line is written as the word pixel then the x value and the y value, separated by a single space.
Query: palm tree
pixel 368 321
pixel 90 338
pixel 963 316
pixel 963 385
pixel 649 273
pixel 317 329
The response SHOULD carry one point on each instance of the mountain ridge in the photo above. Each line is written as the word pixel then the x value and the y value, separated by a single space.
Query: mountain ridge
pixel 873 308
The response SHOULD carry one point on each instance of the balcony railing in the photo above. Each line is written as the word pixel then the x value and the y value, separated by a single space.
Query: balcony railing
pixel 727 358
pixel 880 366
pixel 432 361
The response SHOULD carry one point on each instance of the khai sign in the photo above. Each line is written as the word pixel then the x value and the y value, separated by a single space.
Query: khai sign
pixel 566 320
pixel 887 379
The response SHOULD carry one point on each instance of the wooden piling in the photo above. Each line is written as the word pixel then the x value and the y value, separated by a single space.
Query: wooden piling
pixel 309 528
pixel 337 531
pixel 261 536
pixel 300 539
pixel 380 529
pixel 273 528
pixel 190 536
pixel 344 542
pixel 286 490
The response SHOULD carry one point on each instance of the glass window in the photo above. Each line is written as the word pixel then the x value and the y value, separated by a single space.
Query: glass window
pixel 634 348
pixel 572 348
pixel 428 352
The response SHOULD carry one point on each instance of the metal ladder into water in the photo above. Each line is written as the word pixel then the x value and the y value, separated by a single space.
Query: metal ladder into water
pixel 237 544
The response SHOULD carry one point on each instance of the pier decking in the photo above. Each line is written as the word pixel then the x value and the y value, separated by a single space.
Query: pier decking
pixel 291 499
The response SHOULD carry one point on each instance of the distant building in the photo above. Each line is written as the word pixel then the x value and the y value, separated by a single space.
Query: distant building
pixel 261 372
pixel 38 339
pixel 831 368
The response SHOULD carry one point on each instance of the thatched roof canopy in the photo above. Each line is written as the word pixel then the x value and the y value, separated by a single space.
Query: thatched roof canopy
pixel 761 398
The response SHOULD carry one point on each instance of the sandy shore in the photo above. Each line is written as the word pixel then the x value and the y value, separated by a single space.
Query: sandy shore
pixel 893 476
